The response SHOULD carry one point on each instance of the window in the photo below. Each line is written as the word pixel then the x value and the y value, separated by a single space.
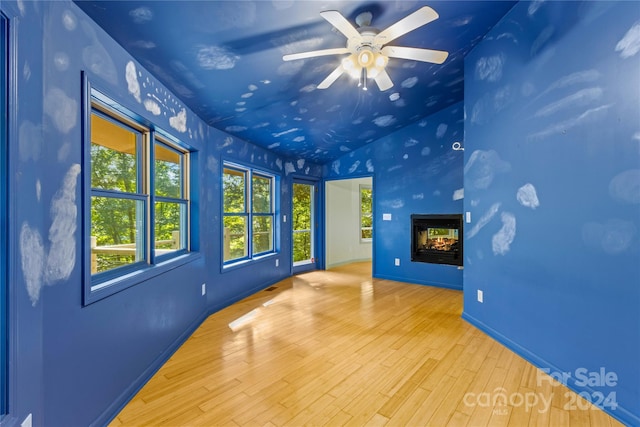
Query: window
pixel 139 199
pixel 3 214
pixel 366 213
pixel 248 213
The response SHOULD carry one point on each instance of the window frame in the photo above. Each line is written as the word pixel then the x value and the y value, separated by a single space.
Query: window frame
pixel 103 284
pixel 365 214
pixel 4 215
pixel 248 213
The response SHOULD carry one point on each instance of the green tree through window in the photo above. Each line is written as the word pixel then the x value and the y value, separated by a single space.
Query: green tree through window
pixel 366 213
pixel 249 212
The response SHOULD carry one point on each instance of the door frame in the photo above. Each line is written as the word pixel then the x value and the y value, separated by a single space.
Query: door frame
pixel 315 224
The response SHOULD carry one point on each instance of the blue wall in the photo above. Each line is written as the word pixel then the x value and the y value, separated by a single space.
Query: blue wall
pixel 552 123
pixel 552 181
pixel 415 171
pixel 75 364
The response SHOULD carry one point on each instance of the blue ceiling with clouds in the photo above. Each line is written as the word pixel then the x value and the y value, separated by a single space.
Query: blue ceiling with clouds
pixel 224 60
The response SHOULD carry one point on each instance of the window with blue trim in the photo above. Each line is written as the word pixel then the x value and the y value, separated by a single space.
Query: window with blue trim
pixel 3 215
pixel 248 213
pixel 139 195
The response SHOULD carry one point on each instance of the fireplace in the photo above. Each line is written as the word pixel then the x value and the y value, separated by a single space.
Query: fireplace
pixel 436 239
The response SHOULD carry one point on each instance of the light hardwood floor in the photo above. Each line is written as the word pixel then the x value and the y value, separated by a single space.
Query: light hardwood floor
pixel 333 348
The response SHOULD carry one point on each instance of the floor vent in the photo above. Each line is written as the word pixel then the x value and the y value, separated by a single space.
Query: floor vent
pixel 271 288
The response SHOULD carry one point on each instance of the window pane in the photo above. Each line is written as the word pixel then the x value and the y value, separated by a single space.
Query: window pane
pixel 302 206
pixel 117 233
pixel 113 156
pixel 168 172
pixel 235 237
pixel 233 183
pixel 302 245
pixel 366 216
pixel 261 194
pixel 170 227
pixel 262 234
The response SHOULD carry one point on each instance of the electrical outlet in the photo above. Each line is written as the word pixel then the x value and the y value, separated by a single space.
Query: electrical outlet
pixel 480 296
pixel 204 288
pixel 468 217
pixel 284 218
pixel 277 262
pixel 397 262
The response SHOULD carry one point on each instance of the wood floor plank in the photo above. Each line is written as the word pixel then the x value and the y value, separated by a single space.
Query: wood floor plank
pixel 340 348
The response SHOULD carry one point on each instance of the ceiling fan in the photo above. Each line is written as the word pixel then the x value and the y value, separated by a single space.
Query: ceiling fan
pixel 368 50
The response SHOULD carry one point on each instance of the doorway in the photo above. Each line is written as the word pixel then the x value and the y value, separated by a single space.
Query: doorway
pixel 304 225
pixel 348 221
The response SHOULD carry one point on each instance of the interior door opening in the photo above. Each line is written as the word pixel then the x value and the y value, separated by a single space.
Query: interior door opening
pixel 348 221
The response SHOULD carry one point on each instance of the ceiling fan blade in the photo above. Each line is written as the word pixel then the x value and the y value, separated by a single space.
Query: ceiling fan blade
pixel 314 53
pixel 336 19
pixel 331 77
pixel 383 81
pixel 416 54
pixel 420 17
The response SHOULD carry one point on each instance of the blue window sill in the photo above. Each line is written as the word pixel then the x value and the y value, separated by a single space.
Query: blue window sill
pixel 247 262
pixel 99 291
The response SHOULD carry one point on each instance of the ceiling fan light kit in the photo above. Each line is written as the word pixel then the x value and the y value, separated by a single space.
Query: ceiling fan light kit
pixel 368 50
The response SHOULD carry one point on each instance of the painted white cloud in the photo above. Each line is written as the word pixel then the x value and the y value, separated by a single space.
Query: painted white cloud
pixel 32 261
pixel 354 166
pixel 300 163
pixel 369 165
pixel 132 80
pixel 442 129
pixel 274 145
pixel 425 151
pixel 629 45
pixel 141 15
pixel 61 61
pixel 625 187
pixel 289 168
pixel 588 117
pixel 490 68
pixel 393 203
pixel 501 241
pixel 152 106
pixel 62 252
pixel 216 58
pixel 96 58
pixel 409 83
pixel 279 134
pixel 419 196
pixel 335 166
pixel 384 121
pixel 179 121
pixel 69 20
pixel 613 237
pixel 411 142
pixel 30 141
pixel 61 109
pixel 580 98
pixel 484 220
pixel 233 129
pixel 458 194
pixel 482 167
pixel 527 196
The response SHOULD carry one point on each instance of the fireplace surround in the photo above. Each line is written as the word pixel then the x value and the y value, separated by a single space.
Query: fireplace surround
pixel 436 239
